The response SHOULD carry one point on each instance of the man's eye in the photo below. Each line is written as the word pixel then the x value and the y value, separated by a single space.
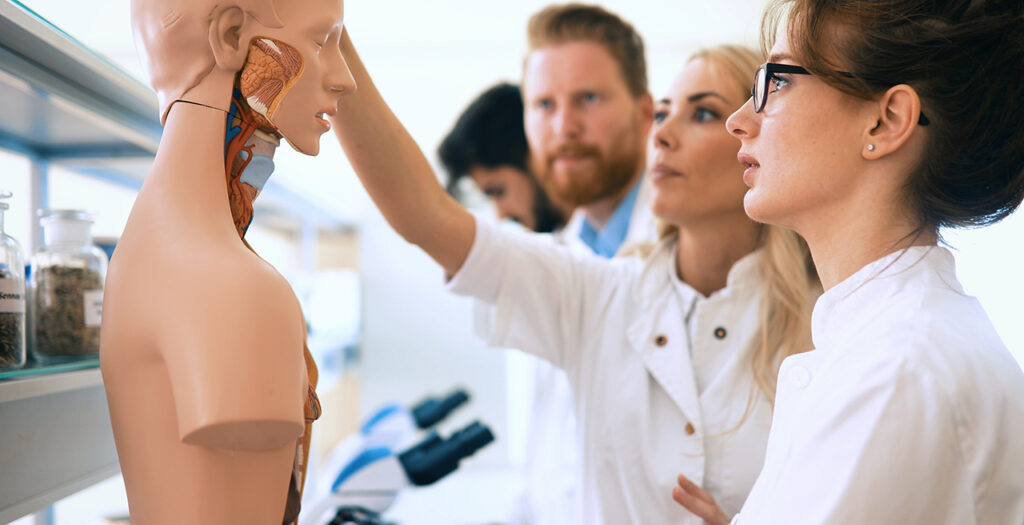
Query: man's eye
pixel 590 97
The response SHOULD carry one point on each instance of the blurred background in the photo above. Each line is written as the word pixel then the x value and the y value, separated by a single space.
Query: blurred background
pixel 381 323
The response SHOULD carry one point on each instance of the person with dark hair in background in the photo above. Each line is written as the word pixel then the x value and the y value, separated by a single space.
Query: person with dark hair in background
pixel 873 125
pixel 488 144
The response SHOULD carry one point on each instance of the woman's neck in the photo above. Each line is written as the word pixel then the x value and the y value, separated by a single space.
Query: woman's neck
pixel 840 246
pixel 708 250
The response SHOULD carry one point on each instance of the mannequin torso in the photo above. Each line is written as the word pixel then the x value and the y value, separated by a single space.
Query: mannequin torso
pixel 202 347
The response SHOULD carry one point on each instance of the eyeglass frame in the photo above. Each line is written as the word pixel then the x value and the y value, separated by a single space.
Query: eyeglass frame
pixel 771 68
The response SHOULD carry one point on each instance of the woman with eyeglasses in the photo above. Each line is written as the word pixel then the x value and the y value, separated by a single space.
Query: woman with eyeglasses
pixel 875 124
pixel 672 357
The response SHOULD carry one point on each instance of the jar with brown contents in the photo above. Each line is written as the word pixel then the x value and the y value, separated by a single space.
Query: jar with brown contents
pixel 12 297
pixel 67 285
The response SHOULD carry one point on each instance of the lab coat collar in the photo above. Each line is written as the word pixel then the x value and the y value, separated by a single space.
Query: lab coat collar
pixel 659 338
pixel 848 306
pixel 654 280
pixel 659 274
pixel 744 272
pixel 664 313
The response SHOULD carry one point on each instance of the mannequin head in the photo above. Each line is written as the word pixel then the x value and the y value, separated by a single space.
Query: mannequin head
pixel 195 49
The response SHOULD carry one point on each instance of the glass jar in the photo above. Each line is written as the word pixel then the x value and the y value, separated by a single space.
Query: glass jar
pixel 67 279
pixel 12 297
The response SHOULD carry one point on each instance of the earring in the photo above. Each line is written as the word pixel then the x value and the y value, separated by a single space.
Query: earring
pixel 871 147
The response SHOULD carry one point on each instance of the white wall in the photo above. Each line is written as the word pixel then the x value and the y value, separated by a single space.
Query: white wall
pixel 990 266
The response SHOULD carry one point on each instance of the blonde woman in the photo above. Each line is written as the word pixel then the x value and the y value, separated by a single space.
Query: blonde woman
pixel 672 358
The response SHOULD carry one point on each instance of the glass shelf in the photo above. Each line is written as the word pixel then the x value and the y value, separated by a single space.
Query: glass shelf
pixel 33 369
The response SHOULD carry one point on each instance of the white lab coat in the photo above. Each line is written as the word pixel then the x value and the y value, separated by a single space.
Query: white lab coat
pixel 618 328
pixel 910 410
pixel 552 471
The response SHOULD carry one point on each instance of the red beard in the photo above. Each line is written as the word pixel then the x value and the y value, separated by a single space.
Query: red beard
pixel 599 179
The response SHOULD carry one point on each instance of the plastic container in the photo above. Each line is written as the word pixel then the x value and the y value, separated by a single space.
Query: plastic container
pixel 12 297
pixel 67 279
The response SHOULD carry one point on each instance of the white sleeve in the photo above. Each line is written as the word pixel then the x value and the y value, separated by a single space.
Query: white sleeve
pixel 540 289
pixel 879 447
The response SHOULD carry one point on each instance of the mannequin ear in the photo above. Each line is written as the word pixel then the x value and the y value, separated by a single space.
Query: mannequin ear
pixel 229 51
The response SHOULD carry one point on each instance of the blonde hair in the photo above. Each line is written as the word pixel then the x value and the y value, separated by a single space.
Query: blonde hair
pixel 790 281
pixel 563 23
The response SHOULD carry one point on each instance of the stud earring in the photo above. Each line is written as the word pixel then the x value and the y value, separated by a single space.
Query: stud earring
pixel 871 147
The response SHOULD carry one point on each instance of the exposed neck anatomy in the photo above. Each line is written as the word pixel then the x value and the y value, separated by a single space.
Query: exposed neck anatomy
pixel 248 158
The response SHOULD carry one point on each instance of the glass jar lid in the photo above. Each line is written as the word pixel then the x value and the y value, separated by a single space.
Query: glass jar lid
pixel 64 215
pixel 66 226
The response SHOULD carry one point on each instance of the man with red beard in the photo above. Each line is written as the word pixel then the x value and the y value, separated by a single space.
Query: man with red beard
pixel 588 113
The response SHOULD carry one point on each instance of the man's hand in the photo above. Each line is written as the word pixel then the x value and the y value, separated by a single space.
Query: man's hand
pixel 699 502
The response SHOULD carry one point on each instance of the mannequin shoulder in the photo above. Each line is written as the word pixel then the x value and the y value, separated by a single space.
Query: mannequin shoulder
pixel 210 289
pixel 235 281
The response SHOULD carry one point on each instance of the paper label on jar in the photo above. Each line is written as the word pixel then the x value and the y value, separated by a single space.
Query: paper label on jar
pixel 12 296
pixel 93 304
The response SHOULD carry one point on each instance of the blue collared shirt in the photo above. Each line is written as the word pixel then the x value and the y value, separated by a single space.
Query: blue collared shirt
pixel 606 243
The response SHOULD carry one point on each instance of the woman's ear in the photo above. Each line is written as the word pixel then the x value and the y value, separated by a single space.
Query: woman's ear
pixel 229 51
pixel 899 109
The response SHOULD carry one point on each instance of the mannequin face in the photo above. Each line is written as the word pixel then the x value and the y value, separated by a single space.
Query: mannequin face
pixel 193 50
pixel 313 28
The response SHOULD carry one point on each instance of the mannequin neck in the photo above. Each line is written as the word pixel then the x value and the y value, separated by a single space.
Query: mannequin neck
pixel 192 145
pixel 189 171
pixel 189 166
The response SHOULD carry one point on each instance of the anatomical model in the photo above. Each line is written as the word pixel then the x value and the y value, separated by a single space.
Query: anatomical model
pixel 210 387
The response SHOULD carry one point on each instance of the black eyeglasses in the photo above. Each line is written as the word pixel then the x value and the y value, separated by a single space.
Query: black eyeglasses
pixel 766 73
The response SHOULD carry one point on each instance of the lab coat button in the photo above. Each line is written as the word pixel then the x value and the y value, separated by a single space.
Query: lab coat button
pixel 720 333
pixel 661 340
pixel 689 429
pixel 799 376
